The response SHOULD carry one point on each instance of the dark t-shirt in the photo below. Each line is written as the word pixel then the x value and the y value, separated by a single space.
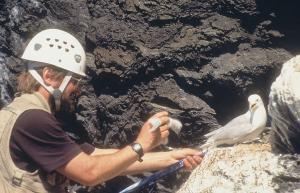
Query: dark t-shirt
pixel 38 141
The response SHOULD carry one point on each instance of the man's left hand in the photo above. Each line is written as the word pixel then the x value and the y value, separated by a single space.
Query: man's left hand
pixel 191 157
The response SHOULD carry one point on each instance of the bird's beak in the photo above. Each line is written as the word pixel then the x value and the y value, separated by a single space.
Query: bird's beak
pixel 252 105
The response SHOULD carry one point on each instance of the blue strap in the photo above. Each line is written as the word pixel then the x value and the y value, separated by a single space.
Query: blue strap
pixel 151 180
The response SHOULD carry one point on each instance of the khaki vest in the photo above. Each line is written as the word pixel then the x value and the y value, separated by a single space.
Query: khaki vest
pixel 13 179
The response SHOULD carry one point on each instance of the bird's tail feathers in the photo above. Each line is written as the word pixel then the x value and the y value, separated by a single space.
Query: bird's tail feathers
pixel 208 135
pixel 206 145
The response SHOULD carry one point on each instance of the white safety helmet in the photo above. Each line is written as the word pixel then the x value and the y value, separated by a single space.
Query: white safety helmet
pixel 57 48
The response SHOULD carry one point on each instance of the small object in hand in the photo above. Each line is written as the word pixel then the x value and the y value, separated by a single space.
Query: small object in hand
pixel 175 125
pixel 155 122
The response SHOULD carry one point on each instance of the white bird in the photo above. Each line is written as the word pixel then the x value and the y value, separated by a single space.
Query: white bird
pixel 245 127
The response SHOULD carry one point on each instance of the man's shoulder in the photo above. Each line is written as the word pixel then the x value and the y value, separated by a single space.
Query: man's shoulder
pixel 37 118
pixel 37 115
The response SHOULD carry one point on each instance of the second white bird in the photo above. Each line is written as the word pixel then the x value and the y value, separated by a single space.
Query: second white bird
pixel 243 128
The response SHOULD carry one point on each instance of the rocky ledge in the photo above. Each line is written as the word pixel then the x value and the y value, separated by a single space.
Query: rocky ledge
pixel 245 168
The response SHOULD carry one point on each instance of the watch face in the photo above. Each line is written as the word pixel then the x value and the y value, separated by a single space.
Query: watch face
pixel 137 147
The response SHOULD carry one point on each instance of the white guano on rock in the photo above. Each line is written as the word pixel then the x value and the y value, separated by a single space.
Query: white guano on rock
pixel 239 169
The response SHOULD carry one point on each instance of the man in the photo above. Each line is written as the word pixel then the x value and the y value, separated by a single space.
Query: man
pixel 38 156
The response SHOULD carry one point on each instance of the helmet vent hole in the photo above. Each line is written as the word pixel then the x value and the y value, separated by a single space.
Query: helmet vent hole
pixel 48 39
pixel 56 40
pixel 37 47
pixel 72 46
pixel 67 50
pixel 51 45
pixel 77 58
pixel 64 42
pixel 59 47
pixel 59 60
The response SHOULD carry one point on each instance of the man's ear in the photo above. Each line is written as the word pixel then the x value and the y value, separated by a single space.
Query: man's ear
pixel 46 75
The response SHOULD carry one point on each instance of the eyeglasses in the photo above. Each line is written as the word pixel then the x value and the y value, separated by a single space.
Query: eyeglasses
pixel 76 81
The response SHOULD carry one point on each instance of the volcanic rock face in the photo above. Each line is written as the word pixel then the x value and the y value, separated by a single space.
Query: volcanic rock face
pixel 197 59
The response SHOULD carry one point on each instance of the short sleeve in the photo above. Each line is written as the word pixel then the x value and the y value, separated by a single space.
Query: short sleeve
pixel 87 148
pixel 39 138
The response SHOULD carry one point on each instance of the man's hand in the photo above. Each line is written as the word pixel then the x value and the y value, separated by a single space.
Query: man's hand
pixel 149 137
pixel 191 157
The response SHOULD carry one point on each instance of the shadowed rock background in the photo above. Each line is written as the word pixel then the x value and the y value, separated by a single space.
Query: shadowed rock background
pixel 197 59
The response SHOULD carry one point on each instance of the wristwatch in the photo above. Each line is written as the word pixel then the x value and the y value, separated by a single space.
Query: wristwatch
pixel 139 150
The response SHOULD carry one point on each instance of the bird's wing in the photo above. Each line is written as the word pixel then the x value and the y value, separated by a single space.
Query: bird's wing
pixel 232 132
pixel 244 118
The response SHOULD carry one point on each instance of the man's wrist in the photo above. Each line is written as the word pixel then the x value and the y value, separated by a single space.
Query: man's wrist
pixel 138 149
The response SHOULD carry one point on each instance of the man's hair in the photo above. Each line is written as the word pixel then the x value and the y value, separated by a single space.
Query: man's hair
pixel 27 84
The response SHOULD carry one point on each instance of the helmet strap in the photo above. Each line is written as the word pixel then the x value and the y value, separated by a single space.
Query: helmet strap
pixel 57 97
pixel 56 93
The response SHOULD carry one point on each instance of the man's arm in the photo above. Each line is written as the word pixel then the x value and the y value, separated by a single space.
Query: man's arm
pixel 92 170
pixel 158 160
pixel 151 161
pixel 103 165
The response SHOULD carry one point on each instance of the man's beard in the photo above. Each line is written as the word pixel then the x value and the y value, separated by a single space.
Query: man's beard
pixel 68 105
pixel 67 117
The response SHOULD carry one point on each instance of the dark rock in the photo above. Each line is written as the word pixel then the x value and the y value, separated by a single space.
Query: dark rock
pixel 197 59
pixel 6 84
